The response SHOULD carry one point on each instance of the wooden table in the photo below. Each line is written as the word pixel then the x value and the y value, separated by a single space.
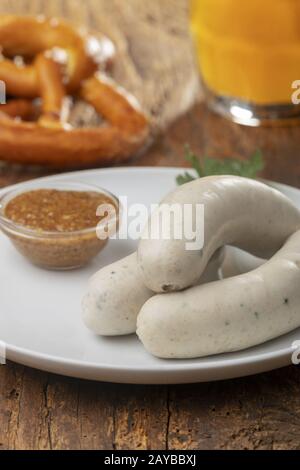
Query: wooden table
pixel 44 411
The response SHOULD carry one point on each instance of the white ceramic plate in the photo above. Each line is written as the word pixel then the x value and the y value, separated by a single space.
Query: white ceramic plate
pixel 40 314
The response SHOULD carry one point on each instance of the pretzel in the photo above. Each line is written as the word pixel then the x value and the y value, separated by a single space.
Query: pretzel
pixel 24 109
pixel 59 61
pixel 30 36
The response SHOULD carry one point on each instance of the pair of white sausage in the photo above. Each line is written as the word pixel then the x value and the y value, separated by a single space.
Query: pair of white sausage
pixel 227 315
pixel 208 319
pixel 237 211
pixel 117 293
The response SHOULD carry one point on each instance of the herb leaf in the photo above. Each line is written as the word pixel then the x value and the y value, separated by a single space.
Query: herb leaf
pixel 214 166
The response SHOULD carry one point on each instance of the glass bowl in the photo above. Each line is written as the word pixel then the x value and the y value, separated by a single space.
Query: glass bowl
pixel 59 250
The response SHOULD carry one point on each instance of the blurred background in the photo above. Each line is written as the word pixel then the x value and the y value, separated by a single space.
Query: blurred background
pixel 242 46
pixel 155 59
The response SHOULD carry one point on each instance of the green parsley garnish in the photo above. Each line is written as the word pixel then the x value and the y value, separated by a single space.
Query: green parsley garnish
pixel 215 166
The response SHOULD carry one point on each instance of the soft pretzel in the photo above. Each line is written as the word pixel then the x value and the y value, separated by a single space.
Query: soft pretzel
pixel 60 61
pixel 29 36
pixel 52 91
pixel 23 109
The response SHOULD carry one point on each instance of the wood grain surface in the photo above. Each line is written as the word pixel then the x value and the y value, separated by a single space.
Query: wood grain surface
pixel 44 411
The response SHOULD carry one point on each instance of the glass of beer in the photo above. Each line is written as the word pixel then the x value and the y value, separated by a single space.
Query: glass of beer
pixel 249 57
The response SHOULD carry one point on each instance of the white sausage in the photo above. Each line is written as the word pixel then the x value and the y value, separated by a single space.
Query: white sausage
pixel 227 315
pixel 237 262
pixel 238 211
pixel 116 294
pixel 114 298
